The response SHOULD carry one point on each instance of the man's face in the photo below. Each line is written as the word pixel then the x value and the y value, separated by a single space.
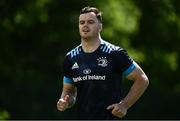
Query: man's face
pixel 89 26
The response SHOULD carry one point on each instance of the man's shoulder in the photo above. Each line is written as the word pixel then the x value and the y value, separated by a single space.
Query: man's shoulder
pixel 74 52
pixel 109 47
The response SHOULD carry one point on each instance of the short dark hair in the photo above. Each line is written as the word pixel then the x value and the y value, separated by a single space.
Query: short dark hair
pixel 94 10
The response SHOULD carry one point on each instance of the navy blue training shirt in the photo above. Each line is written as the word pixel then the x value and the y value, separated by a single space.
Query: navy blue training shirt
pixel 97 77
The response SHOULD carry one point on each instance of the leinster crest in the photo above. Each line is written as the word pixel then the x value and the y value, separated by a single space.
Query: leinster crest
pixel 102 61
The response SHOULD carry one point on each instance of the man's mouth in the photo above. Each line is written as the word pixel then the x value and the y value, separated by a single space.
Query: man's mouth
pixel 86 30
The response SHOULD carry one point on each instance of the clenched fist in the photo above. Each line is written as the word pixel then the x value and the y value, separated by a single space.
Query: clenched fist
pixel 63 103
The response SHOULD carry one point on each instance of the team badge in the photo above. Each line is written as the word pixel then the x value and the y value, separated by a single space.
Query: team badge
pixel 102 61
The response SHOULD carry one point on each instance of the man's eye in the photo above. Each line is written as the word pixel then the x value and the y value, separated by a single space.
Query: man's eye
pixel 91 22
pixel 81 22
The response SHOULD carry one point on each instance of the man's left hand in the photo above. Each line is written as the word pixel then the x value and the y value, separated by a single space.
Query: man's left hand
pixel 118 109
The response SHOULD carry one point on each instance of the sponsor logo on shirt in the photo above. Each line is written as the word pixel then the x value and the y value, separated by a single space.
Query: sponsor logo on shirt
pixel 102 61
pixel 89 77
pixel 87 71
pixel 75 66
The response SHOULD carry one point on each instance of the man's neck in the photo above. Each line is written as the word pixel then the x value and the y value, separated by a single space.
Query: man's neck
pixel 90 45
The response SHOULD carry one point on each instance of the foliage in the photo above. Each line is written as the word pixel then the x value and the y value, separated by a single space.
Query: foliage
pixel 4 115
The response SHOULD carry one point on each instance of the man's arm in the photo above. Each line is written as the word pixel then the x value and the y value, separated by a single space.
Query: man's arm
pixel 68 97
pixel 140 84
pixel 137 89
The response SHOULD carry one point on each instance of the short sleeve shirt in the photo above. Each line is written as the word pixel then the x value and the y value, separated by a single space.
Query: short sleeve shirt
pixel 97 77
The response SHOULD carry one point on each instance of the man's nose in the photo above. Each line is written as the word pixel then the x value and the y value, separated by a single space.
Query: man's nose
pixel 85 24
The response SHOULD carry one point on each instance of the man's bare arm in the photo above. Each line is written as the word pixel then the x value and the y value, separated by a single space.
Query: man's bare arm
pixel 68 97
pixel 140 84
pixel 137 89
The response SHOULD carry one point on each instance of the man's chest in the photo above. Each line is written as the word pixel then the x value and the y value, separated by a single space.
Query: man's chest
pixel 91 68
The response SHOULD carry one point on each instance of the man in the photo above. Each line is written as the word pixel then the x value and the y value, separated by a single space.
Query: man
pixel 93 72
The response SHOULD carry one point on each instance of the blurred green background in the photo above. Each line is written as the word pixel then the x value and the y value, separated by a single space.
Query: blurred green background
pixel 35 35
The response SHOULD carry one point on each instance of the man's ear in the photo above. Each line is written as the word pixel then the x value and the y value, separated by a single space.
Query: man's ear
pixel 100 27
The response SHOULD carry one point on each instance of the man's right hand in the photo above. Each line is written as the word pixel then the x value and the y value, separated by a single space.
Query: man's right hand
pixel 62 104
